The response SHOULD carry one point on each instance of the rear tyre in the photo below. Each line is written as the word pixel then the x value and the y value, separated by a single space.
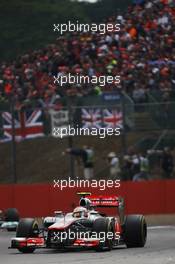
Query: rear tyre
pixel 27 227
pixel 135 231
pixel 11 214
pixel 103 226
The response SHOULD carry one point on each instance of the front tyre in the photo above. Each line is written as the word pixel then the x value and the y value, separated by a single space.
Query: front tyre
pixel 103 226
pixel 135 231
pixel 27 227
pixel 26 250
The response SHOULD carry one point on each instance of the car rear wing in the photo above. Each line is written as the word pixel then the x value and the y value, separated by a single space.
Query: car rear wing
pixel 104 201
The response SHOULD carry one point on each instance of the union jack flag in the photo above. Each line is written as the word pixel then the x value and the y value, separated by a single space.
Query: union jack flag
pixel 27 124
pixel 112 118
pixel 91 118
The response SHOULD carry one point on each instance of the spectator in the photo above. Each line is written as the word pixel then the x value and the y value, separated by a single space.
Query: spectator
pixel 135 165
pixel 87 155
pixel 167 163
pixel 127 168
pixel 114 164
pixel 144 169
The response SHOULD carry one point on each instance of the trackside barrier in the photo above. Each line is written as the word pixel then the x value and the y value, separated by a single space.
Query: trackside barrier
pixel 36 200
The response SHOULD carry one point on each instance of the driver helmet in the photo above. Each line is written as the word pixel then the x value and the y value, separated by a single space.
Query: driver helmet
pixel 80 212
pixel 85 202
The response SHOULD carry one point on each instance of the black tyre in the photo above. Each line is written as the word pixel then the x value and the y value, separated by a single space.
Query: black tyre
pixel 26 250
pixel 135 231
pixel 11 214
pixel 27 227
pixel 11 229
pixel 103 225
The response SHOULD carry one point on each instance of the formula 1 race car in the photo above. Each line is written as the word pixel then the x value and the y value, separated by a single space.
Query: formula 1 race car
pixel 9 219
pixel 83 228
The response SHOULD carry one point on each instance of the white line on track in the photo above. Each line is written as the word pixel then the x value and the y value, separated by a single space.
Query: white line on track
pixel 161 227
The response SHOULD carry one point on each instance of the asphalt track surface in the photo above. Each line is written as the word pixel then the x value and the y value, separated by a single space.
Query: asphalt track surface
pixel 160 249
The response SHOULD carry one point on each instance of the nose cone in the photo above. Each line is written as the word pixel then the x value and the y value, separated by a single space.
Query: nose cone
pixel 62 223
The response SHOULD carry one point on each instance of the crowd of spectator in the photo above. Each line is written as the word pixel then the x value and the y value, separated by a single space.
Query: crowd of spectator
pixel 135 167
pixel 142 53
pixel 138 166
